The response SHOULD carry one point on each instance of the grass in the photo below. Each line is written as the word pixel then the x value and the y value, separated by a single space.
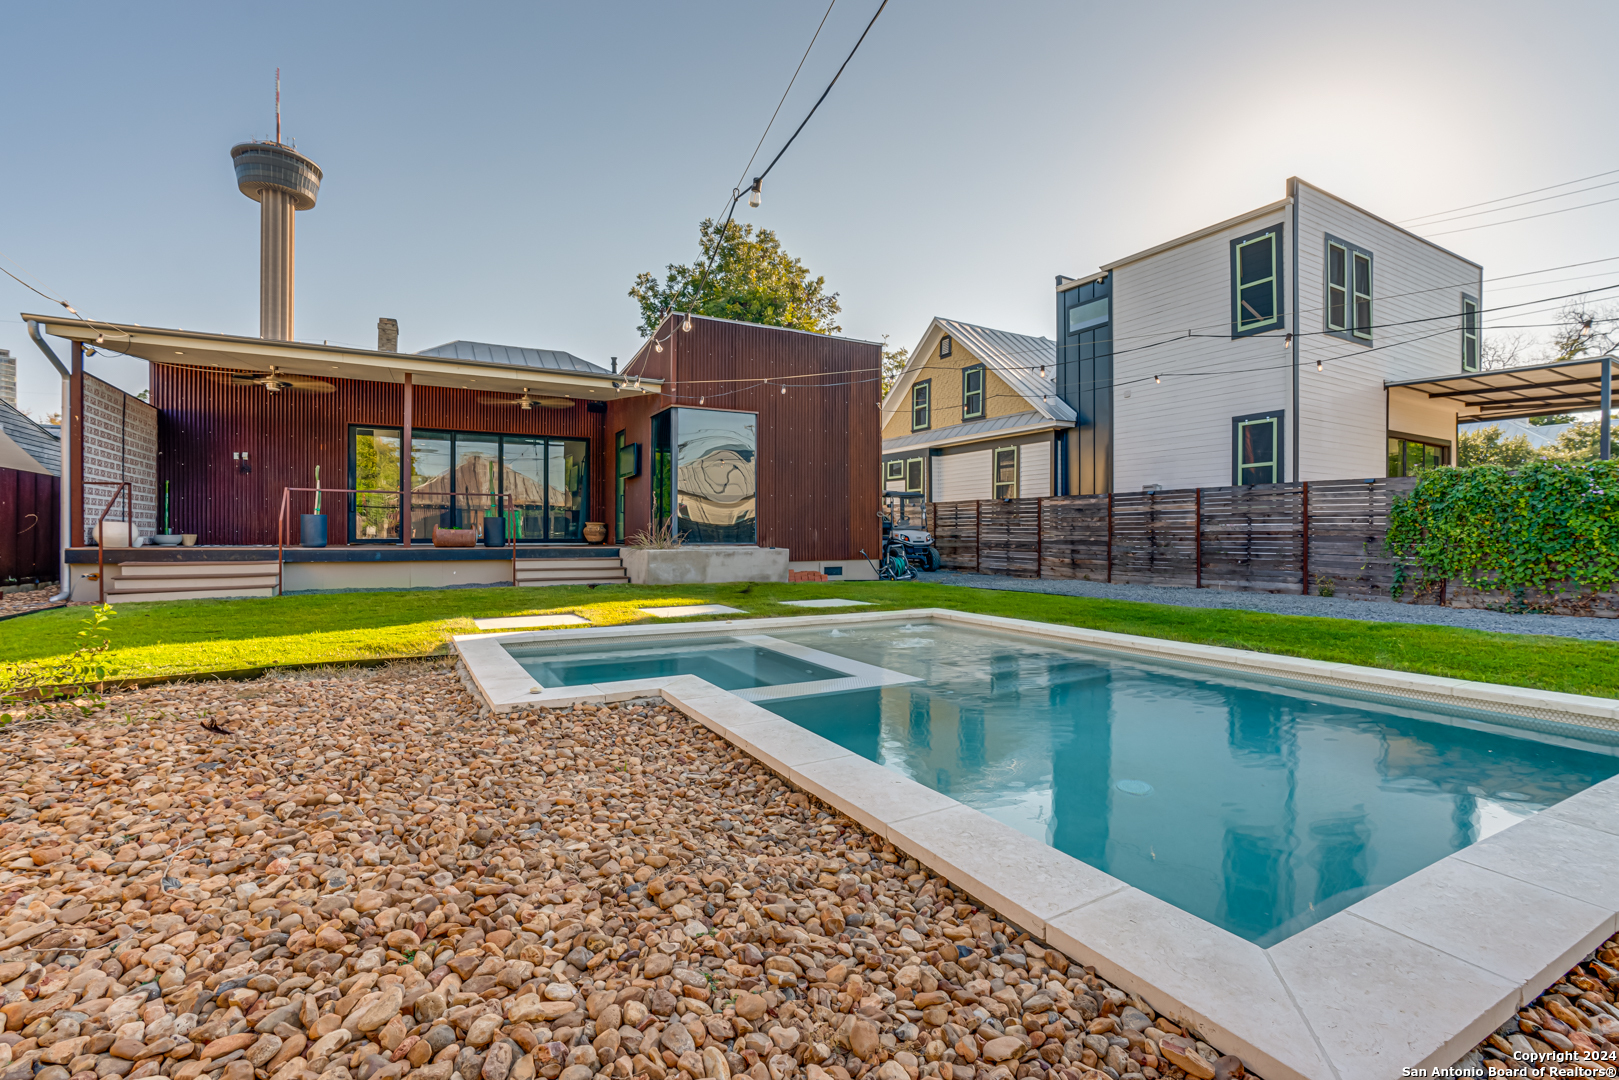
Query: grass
pixel 223 635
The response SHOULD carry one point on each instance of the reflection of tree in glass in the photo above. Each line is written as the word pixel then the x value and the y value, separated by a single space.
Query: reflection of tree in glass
pixel 376 468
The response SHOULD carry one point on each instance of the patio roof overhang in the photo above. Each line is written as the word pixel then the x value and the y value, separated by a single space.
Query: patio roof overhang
pixel 224 352
pixel 1515 393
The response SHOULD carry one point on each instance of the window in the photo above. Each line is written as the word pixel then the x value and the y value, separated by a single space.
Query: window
pixel 1256 282
pixel 1349 290
pixel 1256 448
pixel 1469 335
pixel 704 460
pixel 1005 478
pixel 1087 315
pixel 895 470
pixel 913 474
pixel 972 393
pixel 945 345
pixel 921 415
pixel 1409 457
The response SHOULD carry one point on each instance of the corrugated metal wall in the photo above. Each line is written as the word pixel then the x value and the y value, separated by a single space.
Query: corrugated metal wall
pixel 30 521
pixel 820 443
pixel 285 435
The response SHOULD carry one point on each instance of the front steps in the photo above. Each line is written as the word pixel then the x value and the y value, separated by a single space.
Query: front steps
pixel 596 571
pixel 139 582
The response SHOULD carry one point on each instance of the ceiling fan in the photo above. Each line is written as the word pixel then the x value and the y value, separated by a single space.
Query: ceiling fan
pixel 526 403
pixel 276 381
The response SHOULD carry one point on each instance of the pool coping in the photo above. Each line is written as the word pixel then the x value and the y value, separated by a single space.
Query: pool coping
pixel 1413 976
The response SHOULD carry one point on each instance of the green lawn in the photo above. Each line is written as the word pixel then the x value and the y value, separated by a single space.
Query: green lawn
pixel 224 635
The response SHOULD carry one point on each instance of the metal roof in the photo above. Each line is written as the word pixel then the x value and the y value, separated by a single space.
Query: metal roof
pixel 1509 393
pixel 1017 359
pixel 1011 424
pixel 35 440
pixel 514 356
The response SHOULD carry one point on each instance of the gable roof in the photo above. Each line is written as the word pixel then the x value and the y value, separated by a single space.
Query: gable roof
pixel 514 356
pixel 1015 358
pixel 33 439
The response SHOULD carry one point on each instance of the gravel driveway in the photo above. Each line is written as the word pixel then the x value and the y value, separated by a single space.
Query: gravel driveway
pixel 1282 604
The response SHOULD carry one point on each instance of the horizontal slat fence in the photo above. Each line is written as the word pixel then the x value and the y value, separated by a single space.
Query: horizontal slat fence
pixel 1283 538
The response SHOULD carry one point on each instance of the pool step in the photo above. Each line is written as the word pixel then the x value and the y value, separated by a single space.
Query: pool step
pixel 600 571
pixel 141 582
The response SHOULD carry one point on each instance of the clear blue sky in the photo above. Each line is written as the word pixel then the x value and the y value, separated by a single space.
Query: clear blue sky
pixel 502 172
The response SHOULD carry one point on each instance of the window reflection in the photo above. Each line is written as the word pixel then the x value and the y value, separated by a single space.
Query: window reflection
pixel 376 468
pixel 714 469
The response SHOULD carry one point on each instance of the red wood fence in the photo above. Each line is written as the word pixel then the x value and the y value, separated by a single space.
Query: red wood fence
pixel 30 523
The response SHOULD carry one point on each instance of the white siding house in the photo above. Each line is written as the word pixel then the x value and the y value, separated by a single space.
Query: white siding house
pixel 1228 356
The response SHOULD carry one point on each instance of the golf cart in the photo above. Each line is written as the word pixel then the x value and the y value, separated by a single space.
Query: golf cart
pixel 905 515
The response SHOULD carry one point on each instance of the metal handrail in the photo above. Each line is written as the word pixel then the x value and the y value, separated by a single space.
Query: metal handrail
pixel 286 502
pixel 128 489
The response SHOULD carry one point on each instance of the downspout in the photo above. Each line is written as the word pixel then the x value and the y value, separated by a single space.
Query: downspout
pixel 63 487
pixel 1298 308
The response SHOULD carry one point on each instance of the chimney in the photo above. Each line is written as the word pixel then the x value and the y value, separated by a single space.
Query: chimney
pixel 387 335
pixel 8 378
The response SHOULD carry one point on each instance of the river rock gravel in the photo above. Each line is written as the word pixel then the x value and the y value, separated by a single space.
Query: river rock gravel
pixel 359 875
pixel 1573 1026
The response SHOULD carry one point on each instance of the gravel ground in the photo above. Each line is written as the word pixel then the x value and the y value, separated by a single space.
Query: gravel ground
pixel 18 603
pixel 1576 1015
pixel 1283 604
pixel 358 876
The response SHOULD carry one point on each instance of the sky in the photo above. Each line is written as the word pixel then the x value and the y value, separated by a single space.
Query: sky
pixel 502 172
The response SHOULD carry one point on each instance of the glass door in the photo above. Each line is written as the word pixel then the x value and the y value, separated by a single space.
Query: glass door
pixel 477 477
pixel 524 477
pixel 431 483
pixel 565 489
pixel 376 468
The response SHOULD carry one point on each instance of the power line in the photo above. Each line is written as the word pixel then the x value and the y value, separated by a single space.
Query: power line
pixel 1504 198
pixel 1526 202
pixel 1526 217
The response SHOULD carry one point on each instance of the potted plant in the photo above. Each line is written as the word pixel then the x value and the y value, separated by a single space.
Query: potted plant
pixel 312 527
pixel 168 537
pixel 494 525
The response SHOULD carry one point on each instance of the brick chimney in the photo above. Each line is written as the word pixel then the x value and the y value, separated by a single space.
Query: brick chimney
pixel 387 335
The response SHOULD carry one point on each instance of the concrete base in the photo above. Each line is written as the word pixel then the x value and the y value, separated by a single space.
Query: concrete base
pixel 837 569
pixel 703 564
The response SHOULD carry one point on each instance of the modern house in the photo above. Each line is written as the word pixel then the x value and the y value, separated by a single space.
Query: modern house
pixel 974 415
pixel 730 434
pixel 1292 342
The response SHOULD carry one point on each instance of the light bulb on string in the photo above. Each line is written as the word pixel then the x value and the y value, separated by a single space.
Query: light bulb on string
pixel 1318 365
pixel 784 390
pixel 686 326
pixel 658 345
pixel 1042 371
pixel 1157 379
pixel 755 196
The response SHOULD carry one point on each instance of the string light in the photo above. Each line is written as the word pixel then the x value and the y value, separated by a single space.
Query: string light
pixel 686 326
pixel 1157 379
pixel 1318 363
pixel 658 345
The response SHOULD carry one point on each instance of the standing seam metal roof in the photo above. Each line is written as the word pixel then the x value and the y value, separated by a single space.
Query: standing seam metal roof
pixel 1016 359
pixel 36 441
pixel 514 356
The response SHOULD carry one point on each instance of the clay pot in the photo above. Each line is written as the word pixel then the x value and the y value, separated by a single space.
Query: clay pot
pixel 595 532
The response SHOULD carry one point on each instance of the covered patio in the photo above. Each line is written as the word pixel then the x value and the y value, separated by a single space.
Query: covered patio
pixel 1520 392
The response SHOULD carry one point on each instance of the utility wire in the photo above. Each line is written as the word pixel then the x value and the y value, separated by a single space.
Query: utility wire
pixel 1514 206
pixel 1504 198
pixel 1526 217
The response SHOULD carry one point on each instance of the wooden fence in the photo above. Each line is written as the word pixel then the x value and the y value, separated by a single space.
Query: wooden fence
pixel 29 526
pixel 1288 538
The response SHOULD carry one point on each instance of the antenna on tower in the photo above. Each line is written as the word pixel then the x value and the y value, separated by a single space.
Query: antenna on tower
pixel 278 106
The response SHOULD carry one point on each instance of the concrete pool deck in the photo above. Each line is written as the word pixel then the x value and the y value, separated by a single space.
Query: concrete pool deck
pixel 1414 975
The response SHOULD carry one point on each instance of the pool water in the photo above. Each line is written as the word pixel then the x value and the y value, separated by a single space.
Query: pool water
pixel 728 664
pixel 1259 808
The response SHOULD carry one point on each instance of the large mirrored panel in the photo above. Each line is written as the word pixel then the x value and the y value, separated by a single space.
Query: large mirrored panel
pixel 715 470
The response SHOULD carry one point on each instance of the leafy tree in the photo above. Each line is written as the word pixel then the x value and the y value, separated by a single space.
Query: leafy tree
pixel 743 275
pixel 894 361
pixel 1546 421
pixel 1582 442
pixel 1487 446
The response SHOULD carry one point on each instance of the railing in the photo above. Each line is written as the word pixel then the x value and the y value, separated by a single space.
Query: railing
pixel 286 502
pixel 101 531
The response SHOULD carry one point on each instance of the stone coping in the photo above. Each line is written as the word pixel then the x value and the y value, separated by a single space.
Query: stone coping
pixel 1411 976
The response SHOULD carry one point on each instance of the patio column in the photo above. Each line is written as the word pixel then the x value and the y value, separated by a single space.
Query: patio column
pixel 73 438
pixel 1607 400
pixel 404 468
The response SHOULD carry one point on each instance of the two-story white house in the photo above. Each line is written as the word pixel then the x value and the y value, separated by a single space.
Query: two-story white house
pixel 1261 349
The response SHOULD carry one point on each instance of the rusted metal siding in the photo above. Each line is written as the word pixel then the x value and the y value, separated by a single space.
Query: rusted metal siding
pixel 819 443
pixel 285 435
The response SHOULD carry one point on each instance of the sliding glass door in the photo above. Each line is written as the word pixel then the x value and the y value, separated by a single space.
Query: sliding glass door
pixel 455 477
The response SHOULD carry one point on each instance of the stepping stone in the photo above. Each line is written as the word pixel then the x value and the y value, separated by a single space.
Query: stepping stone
pixel 524 622
pixel 690 609
pixel 833 602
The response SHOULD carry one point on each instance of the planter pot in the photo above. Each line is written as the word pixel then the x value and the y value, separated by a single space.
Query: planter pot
pixel 494 532
pixel 167 539
pixel 188 539
pixel 454 537
pixel 595 532
pixel 701 564
pixel 312 530
pixel 114 534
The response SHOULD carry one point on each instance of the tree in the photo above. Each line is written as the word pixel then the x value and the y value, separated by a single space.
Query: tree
pixel 1582 442
pixel 1486 446
pixel 743 275
pixel 894 361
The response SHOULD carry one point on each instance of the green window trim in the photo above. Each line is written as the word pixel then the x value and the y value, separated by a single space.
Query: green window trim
pixel 922 405
pixel 1470 333
pixel 1257 296
pixel 1257 448
pixel 972 392
pixel 894 470
pixel 913 473
pixel 1003 476
pixel 946 346
pixel 1347 291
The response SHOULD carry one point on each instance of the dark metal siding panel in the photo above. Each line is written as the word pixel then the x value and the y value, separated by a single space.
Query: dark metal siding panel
pixel 203 421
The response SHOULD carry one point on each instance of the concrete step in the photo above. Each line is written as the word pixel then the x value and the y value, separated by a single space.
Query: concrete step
pixel 592 573
pixel 191 584
pixel 567 564
pixel 530 583
pixel 190 594
pixel 195 569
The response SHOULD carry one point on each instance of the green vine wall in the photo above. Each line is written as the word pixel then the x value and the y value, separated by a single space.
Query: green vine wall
pixel 1551 526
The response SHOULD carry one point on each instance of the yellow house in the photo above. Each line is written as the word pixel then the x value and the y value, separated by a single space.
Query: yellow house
pixel 975 415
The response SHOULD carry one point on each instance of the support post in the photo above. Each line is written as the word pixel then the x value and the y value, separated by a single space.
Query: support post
pixel 1304 515
pixel 1039 538
pixel 978 536
pixel 1607 401
pixel 1198 513
pixel 405 469
pixel 75 440
pixel 1110 538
